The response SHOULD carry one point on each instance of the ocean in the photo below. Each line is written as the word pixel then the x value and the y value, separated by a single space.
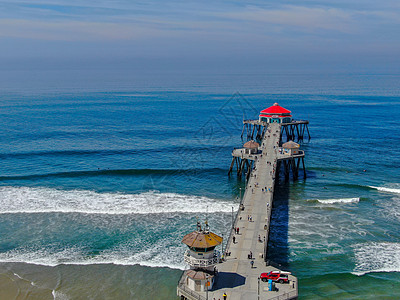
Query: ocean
pixel 100 179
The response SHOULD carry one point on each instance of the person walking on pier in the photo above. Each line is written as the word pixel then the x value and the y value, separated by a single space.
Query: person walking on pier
pixel 225 296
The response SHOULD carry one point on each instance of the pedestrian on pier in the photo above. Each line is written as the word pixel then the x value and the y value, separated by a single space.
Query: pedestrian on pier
pixel 252 263
pixel 225 296
pixel 234 240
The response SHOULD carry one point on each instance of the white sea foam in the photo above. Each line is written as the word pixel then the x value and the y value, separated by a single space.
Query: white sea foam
pixel 386 189
pixel 59 296
pixel 158 255
pixel 18 276
pixel 376 257
pixel 339 200
pixel 43 200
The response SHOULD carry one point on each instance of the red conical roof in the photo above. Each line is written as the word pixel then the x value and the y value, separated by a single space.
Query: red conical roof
pixel 275 110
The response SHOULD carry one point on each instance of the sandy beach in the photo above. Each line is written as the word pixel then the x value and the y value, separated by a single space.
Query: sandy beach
pixel 107 281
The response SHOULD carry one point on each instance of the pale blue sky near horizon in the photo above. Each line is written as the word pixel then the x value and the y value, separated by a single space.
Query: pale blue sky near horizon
pixel 350 36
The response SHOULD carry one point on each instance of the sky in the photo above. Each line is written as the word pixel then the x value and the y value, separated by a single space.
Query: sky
pixel 331 35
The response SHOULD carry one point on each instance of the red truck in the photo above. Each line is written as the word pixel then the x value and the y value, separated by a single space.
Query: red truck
pixel 276 276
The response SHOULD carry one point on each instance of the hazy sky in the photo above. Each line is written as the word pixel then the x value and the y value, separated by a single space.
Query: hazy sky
pixel 352 35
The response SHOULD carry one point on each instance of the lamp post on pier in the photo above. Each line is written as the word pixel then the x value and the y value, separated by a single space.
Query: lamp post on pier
pixel 232 217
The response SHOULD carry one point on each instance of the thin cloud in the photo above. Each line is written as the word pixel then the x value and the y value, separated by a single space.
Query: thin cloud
pixel 332 28
pixel 73 30
pixel 298 17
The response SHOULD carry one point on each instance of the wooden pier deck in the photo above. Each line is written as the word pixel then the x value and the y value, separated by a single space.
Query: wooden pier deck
pixel 241 154
pixel 236 276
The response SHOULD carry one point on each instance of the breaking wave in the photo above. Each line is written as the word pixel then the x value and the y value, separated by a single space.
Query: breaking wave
pixel 376 257
pixel 333 201
pixel 156 256
pixel 46 200
pixel 386 189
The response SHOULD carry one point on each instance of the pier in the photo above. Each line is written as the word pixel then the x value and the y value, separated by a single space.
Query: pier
pixel 294 130
pixel 245 257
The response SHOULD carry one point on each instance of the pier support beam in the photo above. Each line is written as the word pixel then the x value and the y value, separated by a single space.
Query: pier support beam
pixel 295 131
pixel 290 165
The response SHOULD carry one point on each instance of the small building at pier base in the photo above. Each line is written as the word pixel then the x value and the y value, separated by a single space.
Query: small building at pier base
pixel 198 280
pixel 251 147
pixel 290 148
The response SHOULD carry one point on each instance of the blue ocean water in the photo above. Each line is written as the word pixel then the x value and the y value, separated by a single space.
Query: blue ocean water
pixel 118 174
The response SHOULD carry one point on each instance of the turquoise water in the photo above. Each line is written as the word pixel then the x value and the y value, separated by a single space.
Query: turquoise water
pixel 116 175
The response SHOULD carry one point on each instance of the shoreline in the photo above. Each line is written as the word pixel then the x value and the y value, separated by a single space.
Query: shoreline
pixel 99 281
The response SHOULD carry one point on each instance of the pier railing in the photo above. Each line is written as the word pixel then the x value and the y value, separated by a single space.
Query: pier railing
pixel 290 295
pixel 234 223
pixel 201 262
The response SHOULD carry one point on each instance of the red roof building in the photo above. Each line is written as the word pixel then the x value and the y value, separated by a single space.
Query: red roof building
pixel 275 114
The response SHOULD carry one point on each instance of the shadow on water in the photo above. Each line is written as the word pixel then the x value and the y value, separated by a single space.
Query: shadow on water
pixel 278 245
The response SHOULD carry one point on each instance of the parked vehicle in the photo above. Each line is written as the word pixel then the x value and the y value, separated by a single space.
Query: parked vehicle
pixel 276 276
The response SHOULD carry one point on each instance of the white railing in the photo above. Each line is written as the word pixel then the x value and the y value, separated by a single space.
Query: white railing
pixel 183 290
pixel 286 296
pixel 201 262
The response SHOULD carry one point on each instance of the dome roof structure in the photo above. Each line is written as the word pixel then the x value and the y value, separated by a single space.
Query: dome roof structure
pixel 251 145
pixel 291 145
pixel 202 239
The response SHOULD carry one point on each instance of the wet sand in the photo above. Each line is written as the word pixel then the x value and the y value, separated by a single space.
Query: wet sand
pixel 103 281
